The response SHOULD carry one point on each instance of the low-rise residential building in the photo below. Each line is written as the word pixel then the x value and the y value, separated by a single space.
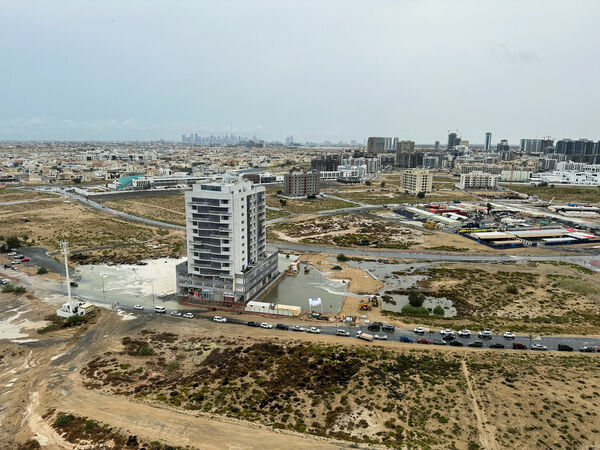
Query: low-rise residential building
pixel 301 183
pixel 478 180
pixel 416 181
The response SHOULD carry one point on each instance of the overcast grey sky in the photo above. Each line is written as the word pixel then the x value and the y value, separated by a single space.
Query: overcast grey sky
pixel 326 69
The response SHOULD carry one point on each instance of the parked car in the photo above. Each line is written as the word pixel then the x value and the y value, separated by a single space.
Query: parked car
pixel 485 334
pixel 539 347
pixel 297 328
pixel 564 348
pixel 496 345
pixel 314 330
pixel 73 284
pixel 342 332
pixel 16 261
pixel 509 335
pixel 364 336
pixel 447 332
pixel 266 325
pixel 438 342
pixel 282 326
pixel 588 349
pixel 138 307
pixel 448 337
pixel 160 309
pixel 253 324
pixel 419 330
pixel 476 344
pixel 4 281
pixel 25 260
pixel 219 319
pixel 464 333
pixel 188 315
pixel 375 326
pixel 176 313
pixel 12 254
pixel 381 337
pixel 456 344
pixel 423 341
pixel 406 339
pixel 519 346
pixel 7 266
pixel 388 328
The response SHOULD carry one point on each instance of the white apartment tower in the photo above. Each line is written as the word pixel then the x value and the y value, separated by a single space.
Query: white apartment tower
pixel 416 180
pixel 226 242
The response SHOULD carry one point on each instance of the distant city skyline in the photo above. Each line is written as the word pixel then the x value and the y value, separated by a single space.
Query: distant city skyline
pixel 335 70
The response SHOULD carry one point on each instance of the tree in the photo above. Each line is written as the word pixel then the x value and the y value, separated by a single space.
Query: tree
pixel 489 207
pixel 367 183
pixel 279 191
pixel 382 184
pixel 421 194
pixel 342 257
pixel 13 242
pixel 283 202
pixel 416 299
pixel 42 270
pixel 20 290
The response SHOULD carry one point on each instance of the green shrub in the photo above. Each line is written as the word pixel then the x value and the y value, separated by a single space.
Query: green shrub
pixel 409 310
pixel 73 320
pixel 62 420
pixel 8 288
pixel 20 290
pixel 42 270
pixel 172 366
pixel 438 311
pixel 512 289
pixel 146 351
pixel 342 257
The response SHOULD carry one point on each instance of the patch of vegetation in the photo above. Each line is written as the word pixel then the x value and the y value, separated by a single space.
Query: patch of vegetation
pixel 42 271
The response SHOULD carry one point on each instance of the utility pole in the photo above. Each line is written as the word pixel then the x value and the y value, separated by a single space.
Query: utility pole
pixel 64 245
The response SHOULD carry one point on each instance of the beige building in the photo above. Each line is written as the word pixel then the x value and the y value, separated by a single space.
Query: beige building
pixel 416 180
pixel 478 180
pixel 301 183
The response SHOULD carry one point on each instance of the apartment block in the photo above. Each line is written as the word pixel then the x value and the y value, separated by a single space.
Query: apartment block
pixel 478 180
pixel 415 181
pixel 301 183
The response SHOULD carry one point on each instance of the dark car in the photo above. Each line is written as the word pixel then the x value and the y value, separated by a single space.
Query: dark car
pixel 456 344
pixel 254 324
pixel 73 284
pixel 587 349
pixel 423 341
pixel 519 346
pixel 564 348
pixel 448 337
pixel 406 339
pixel 438 342
pixel 388 328
pixel 375 326
pixel 476 344
pixel 496 345
pixel 282 326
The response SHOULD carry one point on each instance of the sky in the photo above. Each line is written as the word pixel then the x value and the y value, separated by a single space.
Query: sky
pixel 316 70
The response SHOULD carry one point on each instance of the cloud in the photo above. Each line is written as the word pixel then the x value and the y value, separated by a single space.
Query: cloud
pixel 505 55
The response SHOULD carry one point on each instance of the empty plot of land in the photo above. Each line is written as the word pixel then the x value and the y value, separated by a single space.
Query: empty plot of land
pixel 577 194
pixel 164 208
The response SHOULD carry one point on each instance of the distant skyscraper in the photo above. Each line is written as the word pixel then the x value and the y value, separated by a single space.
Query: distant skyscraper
pixel 453 140
pixel 488 141
pixel 437 145
pixel 375 145
pixel 503 146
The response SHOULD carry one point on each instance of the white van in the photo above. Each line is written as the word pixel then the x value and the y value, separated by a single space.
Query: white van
pixel 160 309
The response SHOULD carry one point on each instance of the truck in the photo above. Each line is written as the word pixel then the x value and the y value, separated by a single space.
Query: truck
pixel 364 336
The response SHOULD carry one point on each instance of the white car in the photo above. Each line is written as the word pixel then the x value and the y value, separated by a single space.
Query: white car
pixel 509 335
pixel 16 261
pixel 160 309
pixel 188 316
pixel 381 337
pixel 176 313
pixel 342 332
pixel 539 347
pixel 314 330
pixel 485 334
pixel 138 307
pixel 12 254
pixel 419 330
pixel 464 333
pixel 219 319
pixel 266 325
pixel 446 332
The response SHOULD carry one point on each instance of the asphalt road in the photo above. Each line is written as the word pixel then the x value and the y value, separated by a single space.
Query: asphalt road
pixel 329 329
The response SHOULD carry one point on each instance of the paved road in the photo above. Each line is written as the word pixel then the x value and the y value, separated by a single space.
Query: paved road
pixel 551 342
